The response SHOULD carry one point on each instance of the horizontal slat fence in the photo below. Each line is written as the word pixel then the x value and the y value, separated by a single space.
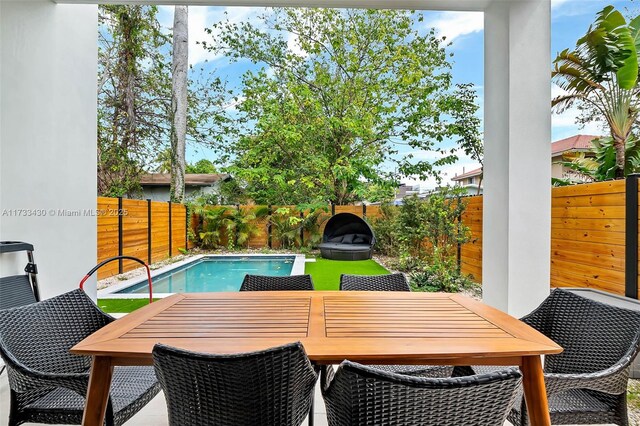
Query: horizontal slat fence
pixel 471 252
pixel 587 237
pixel 128 231
pixel 587 233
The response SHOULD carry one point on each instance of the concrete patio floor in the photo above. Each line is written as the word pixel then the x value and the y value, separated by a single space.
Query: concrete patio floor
pixel 155 413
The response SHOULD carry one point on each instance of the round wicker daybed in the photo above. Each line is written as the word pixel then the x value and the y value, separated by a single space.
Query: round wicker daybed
pixel 347 237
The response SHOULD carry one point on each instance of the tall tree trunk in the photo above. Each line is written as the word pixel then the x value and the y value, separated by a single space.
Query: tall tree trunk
pixel 619 144
pixel 179 101
pixel 128 70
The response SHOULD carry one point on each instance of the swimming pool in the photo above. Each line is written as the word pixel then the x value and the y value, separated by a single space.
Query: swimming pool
pixel 207 274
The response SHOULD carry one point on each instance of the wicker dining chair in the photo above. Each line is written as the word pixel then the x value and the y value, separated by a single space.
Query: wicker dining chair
pixel 270 283
pixel 587 382
pixel 357 395
pixel 269 387
pixel 389 282
pixel 47 383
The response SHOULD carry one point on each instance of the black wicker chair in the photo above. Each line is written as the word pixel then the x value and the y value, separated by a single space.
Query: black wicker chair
pixel 390 282
pixel 47 383
pixel 269 283
pixel 269 387
pixel 587 382
pixel 358 395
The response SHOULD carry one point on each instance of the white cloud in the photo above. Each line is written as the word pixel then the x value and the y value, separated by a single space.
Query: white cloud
pixel 565 123
pixel 456 24
pixel 464 164
pixel 557 3
pixel 293 44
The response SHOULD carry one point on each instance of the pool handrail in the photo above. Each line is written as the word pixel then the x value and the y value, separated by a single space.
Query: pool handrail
pixel 111 259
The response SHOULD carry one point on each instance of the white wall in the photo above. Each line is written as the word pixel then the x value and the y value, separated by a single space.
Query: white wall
pixel 48 69
pixel 517 176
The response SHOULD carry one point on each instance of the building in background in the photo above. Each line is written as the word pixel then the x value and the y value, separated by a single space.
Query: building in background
pixel 405 190
pixel 574 144
pixel 156 186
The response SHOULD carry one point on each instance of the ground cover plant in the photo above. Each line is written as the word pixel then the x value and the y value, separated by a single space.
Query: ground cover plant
pixel 421 238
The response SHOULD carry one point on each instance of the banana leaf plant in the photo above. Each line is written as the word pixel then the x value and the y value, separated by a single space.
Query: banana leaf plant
pixel 601 164
pixel 602 73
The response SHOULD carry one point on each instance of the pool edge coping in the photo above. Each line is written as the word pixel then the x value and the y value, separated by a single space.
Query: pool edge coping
pixel 111 291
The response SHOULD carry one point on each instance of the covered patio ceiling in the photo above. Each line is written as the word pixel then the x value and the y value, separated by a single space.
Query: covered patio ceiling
pixel 48 134
pixel 452 5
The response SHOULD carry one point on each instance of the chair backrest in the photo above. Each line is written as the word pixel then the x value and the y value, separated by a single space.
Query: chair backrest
pixel 269 387
pixel 40 335
pixel 15 291
pixel 269 283
pixel 594 335
pixel 360 395
pixel 389 282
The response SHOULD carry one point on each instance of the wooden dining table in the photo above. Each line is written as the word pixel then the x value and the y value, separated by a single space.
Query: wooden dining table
pixel 365 327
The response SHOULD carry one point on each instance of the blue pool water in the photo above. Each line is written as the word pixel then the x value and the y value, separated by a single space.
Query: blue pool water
pixel 223 273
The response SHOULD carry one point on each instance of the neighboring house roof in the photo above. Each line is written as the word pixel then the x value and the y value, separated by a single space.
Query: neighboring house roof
pixel 469 174
pixel 190 179
pixel 573 143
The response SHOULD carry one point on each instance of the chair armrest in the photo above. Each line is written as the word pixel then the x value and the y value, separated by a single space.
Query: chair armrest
pixel 326 376
pixel 612 380
pixel 23 378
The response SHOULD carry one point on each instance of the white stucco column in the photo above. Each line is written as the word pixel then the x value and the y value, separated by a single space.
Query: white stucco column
pixel 48 71
pixel 517 172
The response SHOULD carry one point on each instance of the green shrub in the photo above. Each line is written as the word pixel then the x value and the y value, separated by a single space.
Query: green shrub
pixel 439 276
pixel 407 263
pixel 385 228
pixel 287 225
pixel 215 226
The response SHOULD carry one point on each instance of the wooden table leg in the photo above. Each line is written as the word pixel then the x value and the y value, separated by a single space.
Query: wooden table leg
pixel 535 393
pixel 98 391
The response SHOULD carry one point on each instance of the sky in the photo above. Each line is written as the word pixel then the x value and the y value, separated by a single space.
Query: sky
pixel 570 20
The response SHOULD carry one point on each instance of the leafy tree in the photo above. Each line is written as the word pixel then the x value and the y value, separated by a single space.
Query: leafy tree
pixel 131 95
pixel 201 166
pixel 467 124
pixel 601 76
pixel 134 99
pixel 163 161
pixel 339 92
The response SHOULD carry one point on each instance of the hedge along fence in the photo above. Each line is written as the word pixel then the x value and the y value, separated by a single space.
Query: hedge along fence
pixel 267 235
pixel 123 229
pixel 594 237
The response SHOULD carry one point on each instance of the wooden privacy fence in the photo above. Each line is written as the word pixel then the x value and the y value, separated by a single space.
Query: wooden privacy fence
pixel 594 237
pixel 149 230
pixel 267 235
pixel 154 231
pixel 594 234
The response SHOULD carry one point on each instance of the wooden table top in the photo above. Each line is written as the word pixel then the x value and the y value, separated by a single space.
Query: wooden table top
pixel 367 327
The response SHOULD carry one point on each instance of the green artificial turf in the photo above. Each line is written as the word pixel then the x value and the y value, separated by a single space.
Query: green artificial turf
pixel 326 273
pixel 122 305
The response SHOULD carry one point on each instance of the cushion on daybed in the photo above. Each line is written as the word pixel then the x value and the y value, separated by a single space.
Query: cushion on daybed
pixel 361 239
pixel 347 238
